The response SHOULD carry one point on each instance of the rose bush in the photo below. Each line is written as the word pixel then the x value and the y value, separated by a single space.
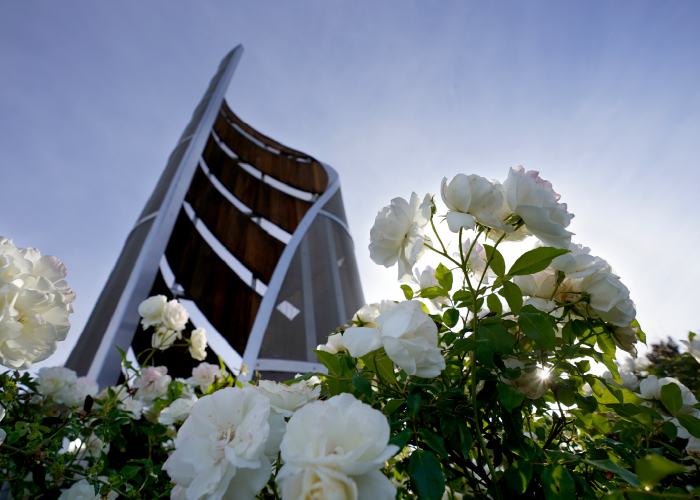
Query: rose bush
pixel 516 382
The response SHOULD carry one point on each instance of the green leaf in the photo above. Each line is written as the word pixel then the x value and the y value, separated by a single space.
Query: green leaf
pixel 330 361
pixel 517 476
pixel 557 482
pixel 402 438
pixel 433 292
pixel 450 317
pixel 511 292
pixel 672 398
pixel 498 338
pixel 510 397
pixel 385 367
pixel 494 304
pixel 393 405
pixel 462 296
pixel 536 326
pixel 426 475
pixel 466 440
pixel 535 260
pixel 464 345
pixel 444 277
pixel 606 344
pixel 407 292
pixel 413 401
pixel 692 424
pixel 437 443
pixel 497 263
pixel 612 467
pixel 670 430
pixel 653 468
pixel 643 336
pixel 362 384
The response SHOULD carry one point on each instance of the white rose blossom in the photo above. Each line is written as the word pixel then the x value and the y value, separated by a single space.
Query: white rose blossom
pixel 76 394
pixel 35 303
pixel 152 384
pixel 471 199
pixel 222 449
pixel 286 399
pixel 532 381
pixel 610 298
pixel 334 449
pixel 198 344
pixel 532 198
pixel 578 263
pixel 164 337
pixel 398 236
pixel 125 401
pixel 369 312
pixel 408 335
pixel 476 259
pixel 175 316
pixel 540 288
pixel 334 345
pixel 151 310
pixel 693 347
pixel 55 382
pixel 178 411
pixel 82 490
pixel 629 380
pixel 693 448
pixel 204 375
pixel 427 279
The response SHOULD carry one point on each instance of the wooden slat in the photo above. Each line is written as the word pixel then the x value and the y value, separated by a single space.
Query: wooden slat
pixel 254 247
pixel 229 304
pixel 278 207
pixel 284 167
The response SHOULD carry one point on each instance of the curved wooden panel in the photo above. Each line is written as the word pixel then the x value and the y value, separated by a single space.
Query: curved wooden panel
pixel 254 247
pixel 278 207
pixel 308 175
pixel 229 304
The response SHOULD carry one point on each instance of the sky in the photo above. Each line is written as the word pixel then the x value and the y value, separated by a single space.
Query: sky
pixel 601 97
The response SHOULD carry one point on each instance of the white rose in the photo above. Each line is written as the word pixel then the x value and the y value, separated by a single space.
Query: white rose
pixel 533 199
pixel 610 298
pixel 693 448
pixel 152 384
pixel 221 448
pixel 175 316
pixel 334 344
pixel 629 380
pixel 204 375
pixel 35 303
pixel 427 279
pixel 397 234
pixel 626 338
pixel 540 288
pixel 198 344
pixel 92 447
pixel 76 394
pixel 471 198
pixel 178 411
pixel 331 446
pixel 164 337
pixel 693 347
pixel 286 399
pixel 3 435
pixel 151 310
pixel 368 313
pixel 2 413
pixel 650 388
pixel 82 490
pixel 56 382
pixel 532 381
pixel 476 259
pixel 408 335
pixel 578 263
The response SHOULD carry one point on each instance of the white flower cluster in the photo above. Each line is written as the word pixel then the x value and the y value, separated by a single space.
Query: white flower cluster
pixel 64 386
pixel 35 303
pixel 169 319
pixel 82 490
pixel 525 204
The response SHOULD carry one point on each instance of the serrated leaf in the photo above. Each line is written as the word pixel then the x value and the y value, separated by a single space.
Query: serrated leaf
pixel 362 385
pixel 393 405
pixel 464 345
pixel 511 292
pixel 385 367
pixel 450 317
pixel 536 326
pixel 413 401
pixel 535 260
pixel 330 361
pixel 653 468
pixel 401 439
pixel 494 304
pixel 407 292
pixel 499 339
pixel 606 344
pixel 691 423
pixel 670 430
pixel 466 439
pixel 557 483
pixel 672 398
pixel 497 263
pixel 510 397
pixel 426 475
pixel 433 292
pixel 612 467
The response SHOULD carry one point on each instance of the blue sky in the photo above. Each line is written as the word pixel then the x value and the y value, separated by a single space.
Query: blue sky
pixel 601 97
